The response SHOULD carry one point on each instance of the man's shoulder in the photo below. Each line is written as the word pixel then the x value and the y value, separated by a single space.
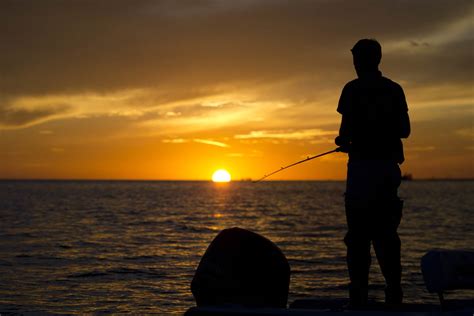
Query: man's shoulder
pixel 390 83
pixel 357 84
pixel 351 85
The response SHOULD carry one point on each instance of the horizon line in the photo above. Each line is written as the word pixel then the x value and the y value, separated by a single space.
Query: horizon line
pixel 203 180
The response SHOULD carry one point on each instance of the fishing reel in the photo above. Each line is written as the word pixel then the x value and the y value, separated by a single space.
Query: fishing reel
pixel 344 144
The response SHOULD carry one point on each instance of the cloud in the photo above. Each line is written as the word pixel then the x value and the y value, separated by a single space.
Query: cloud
pixel 83 46
pixel 143 104
pixel 172 113
pixel 46 132
pixel 265 71
pixel 194 65
pixel 204 108
pixel 419 148
pixel 175 141
pixel 289 135
pixel 253 153
pixel 29 110
pixel 210 142
pixel 466 132
pixel 196 140
pixel 11 117
pixel 235 155
pixel 204 114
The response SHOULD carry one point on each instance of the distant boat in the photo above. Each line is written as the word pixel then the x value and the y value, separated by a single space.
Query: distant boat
pixel 246 180
pixel 407 177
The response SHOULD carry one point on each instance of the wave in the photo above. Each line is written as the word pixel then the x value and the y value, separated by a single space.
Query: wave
pixel 114 272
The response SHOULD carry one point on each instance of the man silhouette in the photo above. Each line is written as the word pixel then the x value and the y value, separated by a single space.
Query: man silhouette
pixel 374 119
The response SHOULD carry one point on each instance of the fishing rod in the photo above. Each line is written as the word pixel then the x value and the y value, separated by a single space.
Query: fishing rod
pixel 298 162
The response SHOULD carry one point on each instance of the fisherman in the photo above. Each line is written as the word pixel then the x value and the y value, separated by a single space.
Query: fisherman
pixel 374 119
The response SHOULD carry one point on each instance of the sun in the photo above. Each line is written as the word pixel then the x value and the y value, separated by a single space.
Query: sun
pixel 221 175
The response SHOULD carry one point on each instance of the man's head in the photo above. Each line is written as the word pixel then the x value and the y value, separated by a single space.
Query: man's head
pixel 367 54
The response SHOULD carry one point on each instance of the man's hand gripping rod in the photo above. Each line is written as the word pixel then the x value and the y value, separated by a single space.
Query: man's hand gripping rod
pixel 298 162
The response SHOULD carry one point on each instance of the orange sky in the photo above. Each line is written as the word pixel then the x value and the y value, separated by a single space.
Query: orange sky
pixel 177 89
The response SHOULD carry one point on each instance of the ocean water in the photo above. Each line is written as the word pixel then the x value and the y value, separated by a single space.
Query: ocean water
pixel 95 246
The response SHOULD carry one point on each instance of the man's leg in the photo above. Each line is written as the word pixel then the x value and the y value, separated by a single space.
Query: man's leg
pixel 358 264
pixel 387 248
pixel 358 258
pixel 358 191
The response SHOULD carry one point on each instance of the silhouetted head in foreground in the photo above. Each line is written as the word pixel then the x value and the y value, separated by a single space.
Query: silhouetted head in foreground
pixel 367 54
pixel 242 268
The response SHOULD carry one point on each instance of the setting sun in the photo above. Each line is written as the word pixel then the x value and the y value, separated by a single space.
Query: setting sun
pixel 221 175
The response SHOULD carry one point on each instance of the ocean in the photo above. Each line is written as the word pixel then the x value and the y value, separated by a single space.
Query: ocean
pixel 79 247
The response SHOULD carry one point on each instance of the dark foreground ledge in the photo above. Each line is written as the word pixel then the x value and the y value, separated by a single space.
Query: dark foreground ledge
pixel 337 308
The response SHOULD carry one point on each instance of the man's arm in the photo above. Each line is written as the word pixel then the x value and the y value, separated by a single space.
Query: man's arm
pixel 405 125
pixel 344 138
pixel 405 129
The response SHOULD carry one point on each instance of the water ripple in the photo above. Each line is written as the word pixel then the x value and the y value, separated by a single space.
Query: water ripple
pixel 132 247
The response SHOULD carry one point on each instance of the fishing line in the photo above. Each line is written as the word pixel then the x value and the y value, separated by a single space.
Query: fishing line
pixel 298 162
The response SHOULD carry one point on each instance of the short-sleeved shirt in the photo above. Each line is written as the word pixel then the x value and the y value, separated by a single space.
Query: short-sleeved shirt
pixel 373 109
